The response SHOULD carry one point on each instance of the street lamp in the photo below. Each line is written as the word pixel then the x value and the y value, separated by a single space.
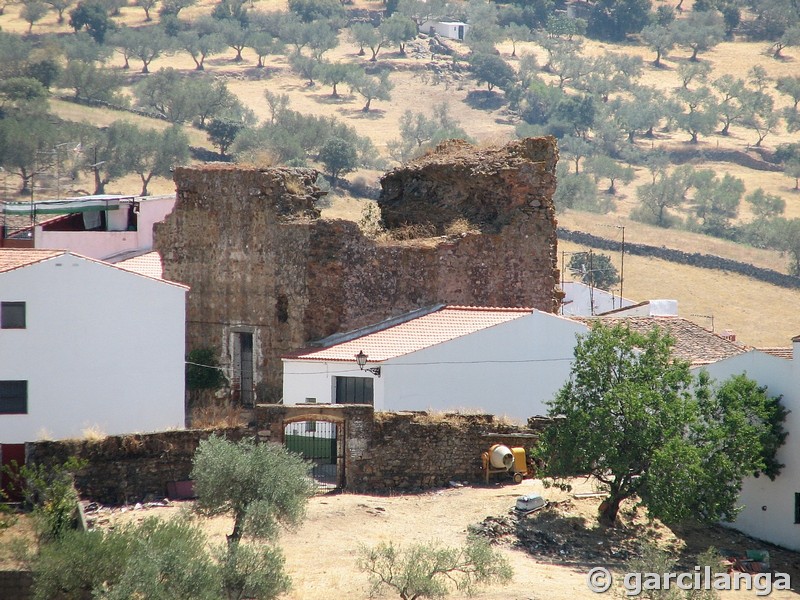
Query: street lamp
pixel 361 359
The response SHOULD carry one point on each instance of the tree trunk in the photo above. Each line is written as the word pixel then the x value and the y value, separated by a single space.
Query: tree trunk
pixel 144 68
pixel 334 94
pixel 694 54
pixel 725 129
pixel 657 61
pixel 366 106
pixel 609 509
pixel 145 181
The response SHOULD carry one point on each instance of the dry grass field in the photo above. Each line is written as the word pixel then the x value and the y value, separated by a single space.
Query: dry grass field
pixel 759 313
pixel 322 554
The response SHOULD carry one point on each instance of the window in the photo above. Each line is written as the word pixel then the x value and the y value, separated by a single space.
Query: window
pixel 13 397
pixel 354 390
pixel 797 509
pixel 12 315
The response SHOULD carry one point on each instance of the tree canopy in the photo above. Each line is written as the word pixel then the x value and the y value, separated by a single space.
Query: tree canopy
pixel 649 428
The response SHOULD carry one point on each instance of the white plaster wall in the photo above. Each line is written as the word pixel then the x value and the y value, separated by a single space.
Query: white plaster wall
pixel 776 523
pixel 304 379
pixel 511 369
pixel 104 244
pixel 103 348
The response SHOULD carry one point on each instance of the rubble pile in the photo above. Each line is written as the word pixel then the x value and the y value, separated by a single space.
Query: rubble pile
pixel 558 532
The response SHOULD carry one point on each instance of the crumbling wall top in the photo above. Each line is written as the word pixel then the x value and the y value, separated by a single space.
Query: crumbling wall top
pixel 289 192
pixel 486 186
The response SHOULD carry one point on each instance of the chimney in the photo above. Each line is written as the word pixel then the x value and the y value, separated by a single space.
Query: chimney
pixel 728 334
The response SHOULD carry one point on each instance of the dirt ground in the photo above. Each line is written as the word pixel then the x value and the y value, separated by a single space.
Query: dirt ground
pixel 321 555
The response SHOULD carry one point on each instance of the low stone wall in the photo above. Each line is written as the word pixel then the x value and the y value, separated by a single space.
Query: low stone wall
pixel 130 468
pixel 694 259
pixel 378 452
pixel 408 451
pixel 16 585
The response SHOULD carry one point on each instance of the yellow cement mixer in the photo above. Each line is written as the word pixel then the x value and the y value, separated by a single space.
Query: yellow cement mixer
pixel 502 459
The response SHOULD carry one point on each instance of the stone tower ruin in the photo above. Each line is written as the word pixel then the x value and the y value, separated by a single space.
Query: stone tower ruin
pixel 268 275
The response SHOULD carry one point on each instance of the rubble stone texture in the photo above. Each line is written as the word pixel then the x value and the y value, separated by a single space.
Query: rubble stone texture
pixel 252 247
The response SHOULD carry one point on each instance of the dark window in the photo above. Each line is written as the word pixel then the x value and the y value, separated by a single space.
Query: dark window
pixel 354 390
pixel 797 508
pixel 12 315
pixel 13 397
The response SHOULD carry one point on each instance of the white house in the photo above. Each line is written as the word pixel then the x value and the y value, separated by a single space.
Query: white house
pixel 87 345
pixel 771 509
pixel 454 30
pixel 107 227
pixel 505 361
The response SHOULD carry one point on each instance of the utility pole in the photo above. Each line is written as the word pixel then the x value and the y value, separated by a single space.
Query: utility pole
pixel 622 266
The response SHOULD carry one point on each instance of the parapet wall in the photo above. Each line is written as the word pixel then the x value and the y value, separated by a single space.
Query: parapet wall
pixel 250 244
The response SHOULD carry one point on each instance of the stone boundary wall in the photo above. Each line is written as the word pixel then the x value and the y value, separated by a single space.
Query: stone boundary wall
pixel 719 155
pixel 379 452
pixel 16 585
pixel 695 259
pixel 410 451
pixel 130 468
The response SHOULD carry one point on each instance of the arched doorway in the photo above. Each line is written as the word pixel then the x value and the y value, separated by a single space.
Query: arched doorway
pixel 319 442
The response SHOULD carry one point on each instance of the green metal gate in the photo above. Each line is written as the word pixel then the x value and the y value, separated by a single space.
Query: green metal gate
pixel 316 441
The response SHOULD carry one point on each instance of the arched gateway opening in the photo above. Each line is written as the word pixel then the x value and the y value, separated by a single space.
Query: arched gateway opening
pixel 320 443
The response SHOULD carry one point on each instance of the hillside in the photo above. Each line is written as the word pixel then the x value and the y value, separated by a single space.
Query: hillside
pixel 757 312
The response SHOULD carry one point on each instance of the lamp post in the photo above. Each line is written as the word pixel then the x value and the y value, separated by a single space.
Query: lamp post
pixel 361 360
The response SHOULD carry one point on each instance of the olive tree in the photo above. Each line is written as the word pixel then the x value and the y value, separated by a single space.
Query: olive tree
pixel 649 428
pixel 261 486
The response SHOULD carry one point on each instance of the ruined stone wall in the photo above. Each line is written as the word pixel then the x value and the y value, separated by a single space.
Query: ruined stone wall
pixel 380 452
pixel 258 258
pixel 124 469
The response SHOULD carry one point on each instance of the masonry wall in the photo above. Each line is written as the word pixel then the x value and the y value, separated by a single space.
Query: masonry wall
pixel 16 585
pixel 404 451
pixel 381 452
pixel 259 259
pixel 412 451
pixel 130 468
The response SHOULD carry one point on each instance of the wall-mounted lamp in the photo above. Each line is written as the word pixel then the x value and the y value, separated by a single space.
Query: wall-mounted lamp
pixel 361 359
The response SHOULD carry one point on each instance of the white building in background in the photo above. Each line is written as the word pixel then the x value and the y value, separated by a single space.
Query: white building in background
pixel 771 509
pixel 106 227
pixel 454 30
pixel 87 345
pixel 584 300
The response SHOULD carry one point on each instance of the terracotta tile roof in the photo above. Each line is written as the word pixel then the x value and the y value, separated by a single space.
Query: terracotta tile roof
pixel 779 351
pixel 148 264
pixel 14 258
pixel 442 325
pixel 693 343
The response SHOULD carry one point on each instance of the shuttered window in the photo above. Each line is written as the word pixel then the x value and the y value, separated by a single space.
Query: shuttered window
pixel 354 390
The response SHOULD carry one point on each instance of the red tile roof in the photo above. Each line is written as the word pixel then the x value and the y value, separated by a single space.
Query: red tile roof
pixel 148 264
pixel 693 343
pixel 779 351
pixel 14 258
pixel 445 324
